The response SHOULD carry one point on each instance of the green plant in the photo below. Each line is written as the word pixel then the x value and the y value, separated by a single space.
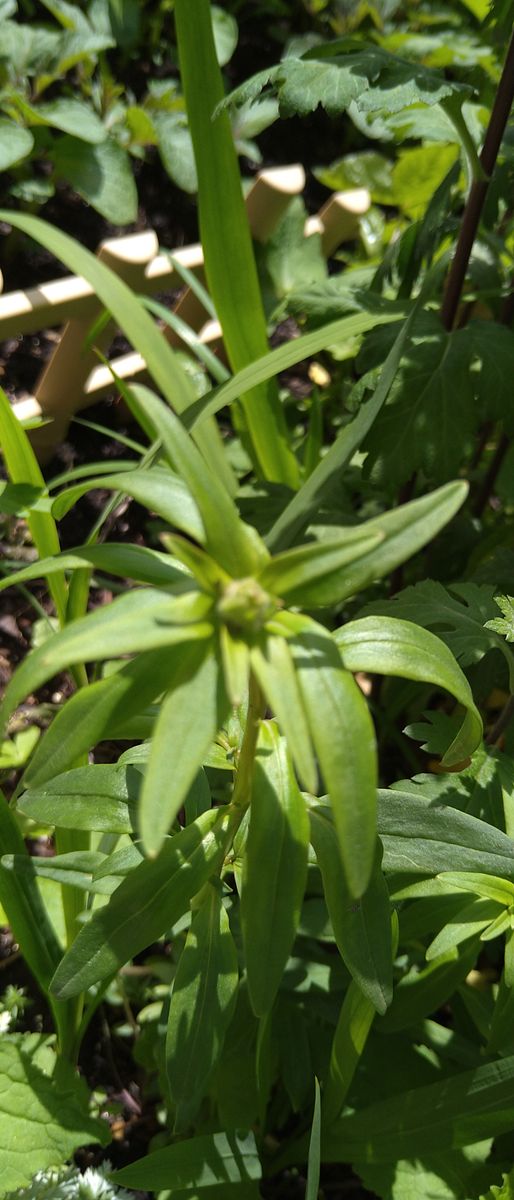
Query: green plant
pixel 320 927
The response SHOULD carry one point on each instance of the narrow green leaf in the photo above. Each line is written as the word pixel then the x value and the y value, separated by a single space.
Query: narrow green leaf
pixel 353 1027
pixel 314 1158
pixel 202 1002
pixel 225 235
pixel 74 869
pixel 192 712
pixel 23 906
pixel 278 360
pixel 131 562
pixel 394 647
pixel 141 619
pixel 159 489
pixel 344 740
pixel 421 993
pixel 146 903
pixel 23 467
pixel 274 869
pixel 362 928
pixel 101 797
pixel 309 576
pixel 424 837
pixel 468 922
pixel 95 713
pixel 501 890
pixel 235 658
pixel 273 667
pixel 233 544
pixel 453 1112
pixel 200 1162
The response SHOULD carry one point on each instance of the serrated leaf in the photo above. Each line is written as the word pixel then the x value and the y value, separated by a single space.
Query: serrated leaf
pixel 338 73
pixel 146 904
pixel 458 613
pixel 274 868
pixel 504 1190
pixel 503 625
pixel 202 1002
pixel 43 1117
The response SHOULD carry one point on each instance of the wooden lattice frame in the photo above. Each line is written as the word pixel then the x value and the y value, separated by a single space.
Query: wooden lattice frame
pixel 72 378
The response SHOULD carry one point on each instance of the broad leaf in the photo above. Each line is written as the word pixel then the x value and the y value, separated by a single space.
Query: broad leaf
pixel 146 904
pixel 274 869
pixel 43 1113
pixel 15 143
pixel 424 837
pixel 202 1002
pixel 101 173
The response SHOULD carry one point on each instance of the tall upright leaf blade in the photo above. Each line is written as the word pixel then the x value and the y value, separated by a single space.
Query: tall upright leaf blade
pixel 188 720
pixel 314 1158
pixel 146 904
pixel 225 234
pixel 202 1002
pixel 274 869
pixel 344 739
pixel 232 543
pixel 24 908
pixel 362 928
pixel 23 467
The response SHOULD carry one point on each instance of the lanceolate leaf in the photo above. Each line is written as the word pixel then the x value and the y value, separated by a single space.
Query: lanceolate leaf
pixel 159 489
pixel 146 904
pixel 192 712
pixel 225 1159
pixel 421 837
pixel 468 922
pixel 99 797
pixel 314 1157
pixel 310 575
pixel 225 233
pixel 202 1001
pixel 132 562
pixel 274 669
pixel 459 614
pixel 23 467
pixel 362 928
pixel 23 906
pixel 96 713
pixel 233 544
pixel 453 1112
pixel 142 619
pixel 394 647
pixel 354 1023
pixel 274 869
pixel 344 740
pixel 420 993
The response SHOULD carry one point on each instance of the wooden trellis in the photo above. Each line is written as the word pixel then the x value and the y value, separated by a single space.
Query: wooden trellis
pixel 72 379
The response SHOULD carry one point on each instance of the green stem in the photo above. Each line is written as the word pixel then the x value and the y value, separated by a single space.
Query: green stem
pixel 256 708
